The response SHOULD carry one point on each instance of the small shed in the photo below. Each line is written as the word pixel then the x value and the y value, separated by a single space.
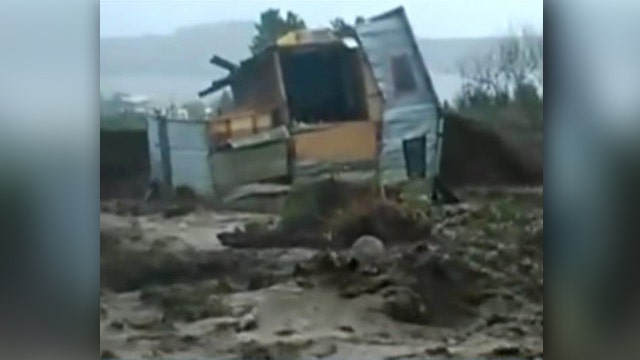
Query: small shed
pixel 306 108
pixel 310 106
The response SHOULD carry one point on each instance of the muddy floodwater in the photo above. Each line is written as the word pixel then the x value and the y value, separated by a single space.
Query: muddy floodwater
pixel 471 286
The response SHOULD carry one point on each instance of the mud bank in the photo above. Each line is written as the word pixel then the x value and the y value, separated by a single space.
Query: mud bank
pixel 332 214
pixel 476 154
pixel 469 286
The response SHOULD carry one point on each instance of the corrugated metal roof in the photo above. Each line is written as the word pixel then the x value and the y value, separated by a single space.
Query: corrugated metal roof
pixel 411 112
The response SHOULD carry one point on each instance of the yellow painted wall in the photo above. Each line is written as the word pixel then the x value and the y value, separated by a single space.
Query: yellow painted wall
pixel 340 142
pixel 240 125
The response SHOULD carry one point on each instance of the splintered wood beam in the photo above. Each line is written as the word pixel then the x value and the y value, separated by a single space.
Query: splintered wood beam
pixel 215 86
pixel 223 63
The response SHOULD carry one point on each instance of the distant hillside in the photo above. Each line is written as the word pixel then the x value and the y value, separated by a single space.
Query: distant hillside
pixel 176 66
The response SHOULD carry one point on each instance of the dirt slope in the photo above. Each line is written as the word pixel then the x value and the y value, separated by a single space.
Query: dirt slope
pixel 472 286
pixel 474 154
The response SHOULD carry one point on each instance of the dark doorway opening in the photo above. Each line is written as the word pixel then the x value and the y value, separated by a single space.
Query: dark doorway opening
pixel 415 157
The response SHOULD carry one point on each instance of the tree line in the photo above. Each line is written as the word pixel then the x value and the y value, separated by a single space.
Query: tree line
pixel 510 76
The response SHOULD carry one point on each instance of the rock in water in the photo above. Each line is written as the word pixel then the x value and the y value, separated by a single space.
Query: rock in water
pixel 367 250
pixel 403 304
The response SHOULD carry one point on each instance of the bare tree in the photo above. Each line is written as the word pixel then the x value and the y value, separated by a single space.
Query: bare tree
pixel 497 76
pixel 520 58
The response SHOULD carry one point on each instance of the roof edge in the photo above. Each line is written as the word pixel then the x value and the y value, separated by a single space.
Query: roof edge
pixel 393 12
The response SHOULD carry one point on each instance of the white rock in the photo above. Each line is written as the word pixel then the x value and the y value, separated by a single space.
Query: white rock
pixel 367 250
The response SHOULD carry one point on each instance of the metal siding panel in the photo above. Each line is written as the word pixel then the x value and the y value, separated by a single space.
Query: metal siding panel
pixel 406 115
pixel 188 135
pixel 189 150
pixel 249 164
pixel 191 168
pixel 155 158
pixel 406 123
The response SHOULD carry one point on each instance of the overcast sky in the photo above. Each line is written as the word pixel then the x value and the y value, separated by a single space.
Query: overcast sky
pixel 429 18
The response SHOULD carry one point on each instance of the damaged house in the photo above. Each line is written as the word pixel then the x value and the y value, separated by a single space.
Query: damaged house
pixel 305 107
pixel 314 105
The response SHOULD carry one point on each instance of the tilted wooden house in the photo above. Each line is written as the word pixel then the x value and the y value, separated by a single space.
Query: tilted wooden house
pixel 315 105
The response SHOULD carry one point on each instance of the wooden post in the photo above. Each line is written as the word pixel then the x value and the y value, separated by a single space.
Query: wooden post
pixel 165 156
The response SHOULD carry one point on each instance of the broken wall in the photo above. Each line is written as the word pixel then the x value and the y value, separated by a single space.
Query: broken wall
pixel 256 86
pixel 249 164
pixel 347 147
pixel 323 83
pixel 260 102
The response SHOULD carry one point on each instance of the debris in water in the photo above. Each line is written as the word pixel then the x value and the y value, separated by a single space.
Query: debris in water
pixel 117 325
pixel 405 305
pixel 486 277
pixel 248 321
pixel 322 350
pixel 108 355
pixel 285 332
pixel 178 210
